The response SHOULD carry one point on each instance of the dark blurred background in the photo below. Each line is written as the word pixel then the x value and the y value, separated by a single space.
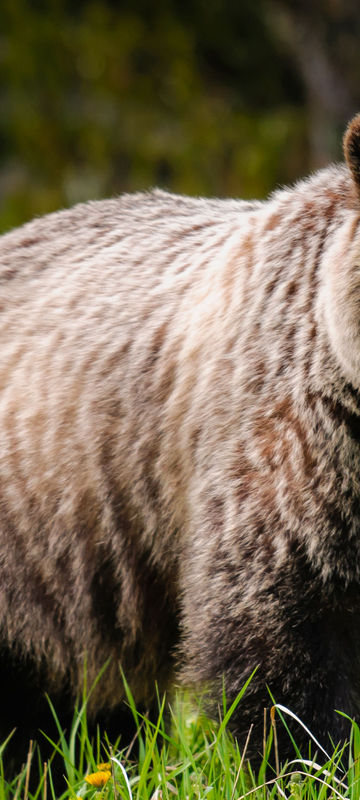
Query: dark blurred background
pixel 224 97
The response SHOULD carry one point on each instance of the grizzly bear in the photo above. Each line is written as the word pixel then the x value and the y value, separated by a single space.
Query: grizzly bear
pixel 180 452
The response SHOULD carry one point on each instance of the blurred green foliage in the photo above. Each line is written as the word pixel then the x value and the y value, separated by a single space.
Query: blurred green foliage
pixel 102 97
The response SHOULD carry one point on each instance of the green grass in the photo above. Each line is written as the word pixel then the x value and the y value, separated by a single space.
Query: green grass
pixel 188 758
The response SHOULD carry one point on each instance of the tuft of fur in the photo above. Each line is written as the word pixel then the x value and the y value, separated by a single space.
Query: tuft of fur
pixel 180 448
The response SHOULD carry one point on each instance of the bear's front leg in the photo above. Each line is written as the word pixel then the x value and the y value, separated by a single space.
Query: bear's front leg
pixel 299 633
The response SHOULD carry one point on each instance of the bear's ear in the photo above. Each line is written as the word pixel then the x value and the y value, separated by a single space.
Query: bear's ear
pixel 352 150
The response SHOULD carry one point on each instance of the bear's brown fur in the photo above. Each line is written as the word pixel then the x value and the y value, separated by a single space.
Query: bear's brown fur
pixel 180 448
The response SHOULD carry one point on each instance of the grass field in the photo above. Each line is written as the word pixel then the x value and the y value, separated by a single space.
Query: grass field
pixel 189 758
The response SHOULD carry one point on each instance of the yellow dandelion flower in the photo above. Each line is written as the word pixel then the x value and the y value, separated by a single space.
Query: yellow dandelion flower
pixel 98 779
pixel 105 766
